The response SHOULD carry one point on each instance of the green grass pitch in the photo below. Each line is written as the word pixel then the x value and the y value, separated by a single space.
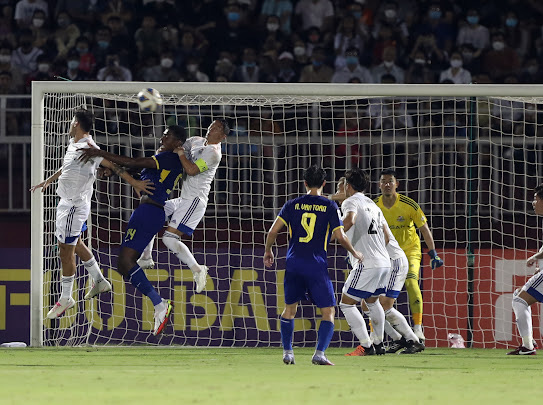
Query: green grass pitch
pixel 179 375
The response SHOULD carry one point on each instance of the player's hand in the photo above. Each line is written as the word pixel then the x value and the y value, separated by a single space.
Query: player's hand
pixel 436 260
pixel 180 150
pixel 104 172
pixel 531 261
pixel 88 153
pixel 358 256
pixel 43 185
pixel 143 186
pixel 268 259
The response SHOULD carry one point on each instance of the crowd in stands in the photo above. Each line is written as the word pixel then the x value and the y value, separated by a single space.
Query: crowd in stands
pixel 283 41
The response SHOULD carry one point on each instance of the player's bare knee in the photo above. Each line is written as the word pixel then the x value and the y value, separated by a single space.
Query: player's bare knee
pixel 328 313
pixel 386 302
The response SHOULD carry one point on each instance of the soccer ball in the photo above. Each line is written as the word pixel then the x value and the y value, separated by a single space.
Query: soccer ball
pixel 149 99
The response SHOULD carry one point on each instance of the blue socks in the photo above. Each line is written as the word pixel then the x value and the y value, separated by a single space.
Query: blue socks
pixel 139 280
pixel 287 332
pixel 326 330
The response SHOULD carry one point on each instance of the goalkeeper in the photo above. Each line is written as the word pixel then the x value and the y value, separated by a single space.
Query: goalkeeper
pixel 404 216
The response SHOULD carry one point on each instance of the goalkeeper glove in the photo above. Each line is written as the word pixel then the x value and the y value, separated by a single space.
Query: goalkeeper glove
pixel 436 260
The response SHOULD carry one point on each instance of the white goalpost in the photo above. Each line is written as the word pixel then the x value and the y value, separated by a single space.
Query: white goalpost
pixel 470 155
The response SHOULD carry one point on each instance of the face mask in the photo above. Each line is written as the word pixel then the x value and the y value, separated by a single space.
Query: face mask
pixel 351 60
pixel 37 22
pixel 233 16
pixel 82 50
pixel 498 45
pixel 357 14
pixel 166 63
pixel 192 68
pixel 63 22
pixel 299 51
pixel 511 22
pixel 390 13
pixel 435 14
pixel 317 63
pixel 472 19
pixel 532 69
pixel 420 61
pixel 272 27
pixel 103 44
pixel 5 58
pixel 43 67
pixel 249 64
pixel 388 64
pixel 73 64
pixel 456 63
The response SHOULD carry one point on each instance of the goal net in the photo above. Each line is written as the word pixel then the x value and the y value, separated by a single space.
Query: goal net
pixel 470 156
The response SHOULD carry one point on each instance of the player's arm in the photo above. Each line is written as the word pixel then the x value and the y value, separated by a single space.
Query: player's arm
pixel 344 241
pixel 191 168
pixel 270 240
pixel 139 162
pixel 140 186
pixel 348 220
pixel 387 235
pixel 533 259
pixel 44 184
pixel 429 240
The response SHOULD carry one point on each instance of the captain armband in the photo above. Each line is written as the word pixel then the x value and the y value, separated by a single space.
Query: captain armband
pixel 202 165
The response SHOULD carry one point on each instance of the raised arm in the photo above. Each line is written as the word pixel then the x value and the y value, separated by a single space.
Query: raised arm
pixel 44 184
pixel 140 162
pixel 140 186
pixel 270 240
pixel 190 168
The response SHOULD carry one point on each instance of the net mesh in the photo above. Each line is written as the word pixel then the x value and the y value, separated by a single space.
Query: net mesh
pixel 470 163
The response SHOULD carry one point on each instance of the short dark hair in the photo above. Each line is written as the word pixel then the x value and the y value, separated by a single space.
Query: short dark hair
pixel 85 119
pixel 389 172
pixel 358 179
pixel 539 191
pixel 314 176
pixel 225 126
pixel 178 131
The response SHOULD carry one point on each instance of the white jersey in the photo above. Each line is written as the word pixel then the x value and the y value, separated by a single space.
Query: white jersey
pixel 367 234
pixel 207 158
pixel 393 248
pixel 76 183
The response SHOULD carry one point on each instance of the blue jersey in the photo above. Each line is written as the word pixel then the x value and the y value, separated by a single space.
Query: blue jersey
pixel 311 220
pixel 166 175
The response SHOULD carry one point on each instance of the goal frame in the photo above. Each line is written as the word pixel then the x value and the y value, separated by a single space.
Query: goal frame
pixel 40 88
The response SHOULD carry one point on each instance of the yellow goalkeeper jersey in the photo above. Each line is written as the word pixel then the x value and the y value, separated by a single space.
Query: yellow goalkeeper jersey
pixel 403 218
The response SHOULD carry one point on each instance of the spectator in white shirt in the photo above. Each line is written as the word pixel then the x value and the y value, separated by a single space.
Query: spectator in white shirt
pixel 456 73
pixel 351 69
pixel 315 13
pixel 388 66
pixel 473 33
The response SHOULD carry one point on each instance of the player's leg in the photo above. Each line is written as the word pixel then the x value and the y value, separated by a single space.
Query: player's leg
pixel 144 223
pixel 377 316
pixel 287 332
pixel 186 215
pixel 415 295
pixel 146 260
pixel 396 319
pixel 294 289
pixel 325 332
pixel 529 295
pixel 67 260
pixel 99 283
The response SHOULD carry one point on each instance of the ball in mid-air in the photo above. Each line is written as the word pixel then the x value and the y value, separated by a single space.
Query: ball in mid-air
pixel 149 99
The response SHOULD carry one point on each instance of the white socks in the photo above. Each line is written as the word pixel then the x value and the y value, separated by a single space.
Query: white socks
pixel 390 331
pixel 94 270
pixel 173 242
pixel 356 322
pixel 399 323
pixel 67 285
pixel 524 322
pixel 377 316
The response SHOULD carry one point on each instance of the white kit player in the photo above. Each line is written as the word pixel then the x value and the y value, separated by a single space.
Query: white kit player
pixel 75 188
pixel 200 158
pixel 364 223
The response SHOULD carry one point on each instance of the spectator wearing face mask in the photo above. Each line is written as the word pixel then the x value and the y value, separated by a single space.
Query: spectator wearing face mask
pixel 473 33
pixel 224 66
pixel 300 55
pixel 388 66
pixel 249 71
pixel 40 29
pixel 531 72
pixel 43 72
pixel 193 72
pixel 73 71
pixel 24 10
pixel 456 73
pixel 233 33
pixel 87 61
pixel 349 34
pixel 280 8
pixel 352 69
pixel 271 36
pixel 66 34
pixel 164 71
pixel 317 71
pixel 25 57
pixel 435 22
pixel 515 34
pixel 419 71
pixel 6 51
pixel 500 61
pixel 390 19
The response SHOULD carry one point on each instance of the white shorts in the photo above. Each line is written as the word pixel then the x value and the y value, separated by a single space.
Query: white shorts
pixel 364 282
pixel 534 286
pixel 184 215
pixel 70 221
pixel 396 279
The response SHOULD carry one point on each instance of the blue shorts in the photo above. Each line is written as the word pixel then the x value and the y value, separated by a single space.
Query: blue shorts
pixel 314 285
pixel 146 221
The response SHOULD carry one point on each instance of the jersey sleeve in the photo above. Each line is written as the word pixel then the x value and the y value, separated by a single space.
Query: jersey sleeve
pixel 348 205
pixel 211 158
pixel 167 161
pixel 284 214
pixel 419 219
